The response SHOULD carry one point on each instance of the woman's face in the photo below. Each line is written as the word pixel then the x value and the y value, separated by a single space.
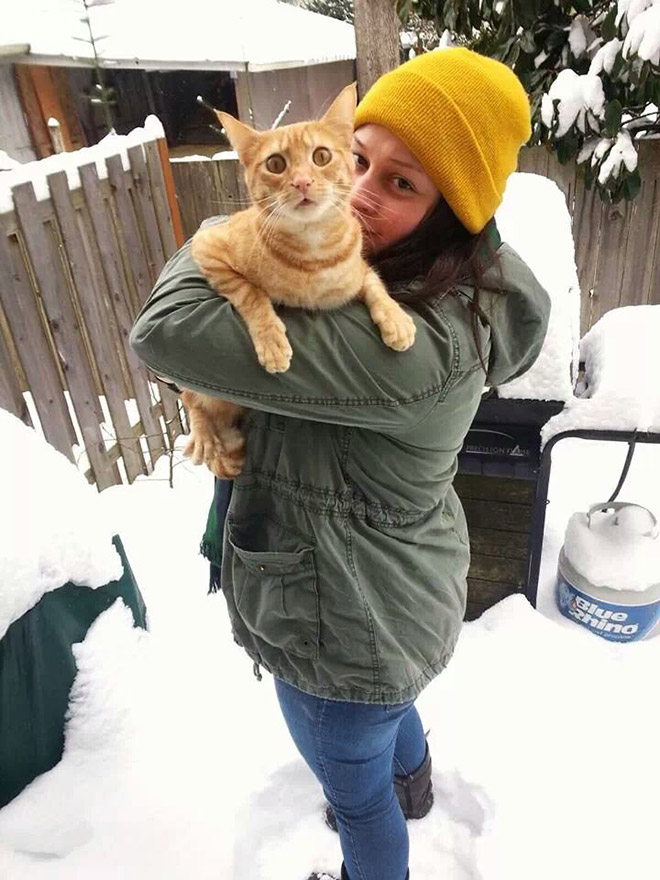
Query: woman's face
pixel 392 193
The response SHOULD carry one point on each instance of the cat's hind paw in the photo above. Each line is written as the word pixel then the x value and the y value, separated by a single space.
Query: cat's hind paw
pixel 224 457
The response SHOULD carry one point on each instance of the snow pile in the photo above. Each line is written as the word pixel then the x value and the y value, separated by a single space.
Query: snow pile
pixel 622 366
pixel 112 144
pixel 618 549
pixel 532 215
pixel 52 525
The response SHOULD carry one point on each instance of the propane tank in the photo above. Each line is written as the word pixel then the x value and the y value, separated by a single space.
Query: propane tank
pixel 608 578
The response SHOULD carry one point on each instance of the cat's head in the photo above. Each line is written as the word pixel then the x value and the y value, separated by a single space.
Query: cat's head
pixel 298 172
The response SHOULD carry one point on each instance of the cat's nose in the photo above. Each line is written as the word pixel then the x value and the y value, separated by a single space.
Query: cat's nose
pixel 302 184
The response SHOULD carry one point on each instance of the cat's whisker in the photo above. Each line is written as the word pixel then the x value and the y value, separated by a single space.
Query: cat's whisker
pixel 267 210
pixel 373 207
pixel 269 227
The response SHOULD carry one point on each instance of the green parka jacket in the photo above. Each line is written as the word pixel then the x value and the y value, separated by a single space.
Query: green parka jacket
pixel 345 551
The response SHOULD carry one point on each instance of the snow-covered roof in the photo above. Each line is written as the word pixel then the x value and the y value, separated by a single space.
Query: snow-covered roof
pixel 166 34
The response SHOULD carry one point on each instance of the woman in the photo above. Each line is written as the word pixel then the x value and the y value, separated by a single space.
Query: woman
pixel 345 553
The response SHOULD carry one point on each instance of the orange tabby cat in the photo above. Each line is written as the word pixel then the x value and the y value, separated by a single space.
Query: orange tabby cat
pixel 299 245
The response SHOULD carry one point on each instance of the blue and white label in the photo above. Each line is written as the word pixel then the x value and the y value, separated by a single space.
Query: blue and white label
pixel 617 623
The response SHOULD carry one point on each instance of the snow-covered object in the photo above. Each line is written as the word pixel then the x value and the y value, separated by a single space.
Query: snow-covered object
pixel 52 526
pixel 7 163
pixel 618 549
pixel 222 155
pixel 605 57
pixel 581 100
pixel 249 35
pixel 643 38
pixel 622 367
pixel 578 35
pixel 534 220
pixel 111 145
pixel 622 152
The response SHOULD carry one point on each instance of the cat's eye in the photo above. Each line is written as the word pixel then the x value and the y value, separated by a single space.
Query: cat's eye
pixel 321 156
pixel 276 163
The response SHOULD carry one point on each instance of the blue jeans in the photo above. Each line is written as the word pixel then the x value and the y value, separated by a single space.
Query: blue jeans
pixel 354 750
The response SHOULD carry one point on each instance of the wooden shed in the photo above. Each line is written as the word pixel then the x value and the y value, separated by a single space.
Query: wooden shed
pixel 251 59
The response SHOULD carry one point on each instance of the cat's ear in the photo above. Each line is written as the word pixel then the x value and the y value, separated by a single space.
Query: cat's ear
pixel 242 138
pixel 340 113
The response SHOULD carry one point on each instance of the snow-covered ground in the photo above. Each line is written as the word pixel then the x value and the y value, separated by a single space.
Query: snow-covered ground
pixel 178 763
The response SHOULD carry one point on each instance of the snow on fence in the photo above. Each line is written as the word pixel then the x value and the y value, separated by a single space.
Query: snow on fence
pixel 80 249
pixel 617 246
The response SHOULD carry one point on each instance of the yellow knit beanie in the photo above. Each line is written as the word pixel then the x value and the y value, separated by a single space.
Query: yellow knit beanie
pixel 463 116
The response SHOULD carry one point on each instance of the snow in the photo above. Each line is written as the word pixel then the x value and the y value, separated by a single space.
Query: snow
pixel 605 57
pixel 621 152
pixel 533 213
pixel 159 34
pixel 643 38
pixel 6 161
pixel 622 365
pixel 577 35
pixel 52 524
pixel 631 9
pixel 223 155
pixel 581 100
pixel 618 549
pixel 111 145
pixel 178 763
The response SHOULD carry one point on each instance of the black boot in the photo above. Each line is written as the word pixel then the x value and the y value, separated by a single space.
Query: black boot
pixel 414 793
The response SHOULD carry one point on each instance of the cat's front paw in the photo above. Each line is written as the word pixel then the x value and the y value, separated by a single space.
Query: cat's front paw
pixel 273 349
pixel 397 329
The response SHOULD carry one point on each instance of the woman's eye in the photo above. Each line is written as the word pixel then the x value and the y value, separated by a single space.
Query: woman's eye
pixel 276 163
pixel 359 160
pixel 402 183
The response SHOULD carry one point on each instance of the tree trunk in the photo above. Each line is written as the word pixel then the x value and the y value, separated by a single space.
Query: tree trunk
pixel 377 39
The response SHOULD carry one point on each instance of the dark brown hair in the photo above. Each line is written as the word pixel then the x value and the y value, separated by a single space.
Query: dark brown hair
pixel 443 252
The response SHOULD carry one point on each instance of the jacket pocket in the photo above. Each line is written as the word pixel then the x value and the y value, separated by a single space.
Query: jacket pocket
pixel 276 592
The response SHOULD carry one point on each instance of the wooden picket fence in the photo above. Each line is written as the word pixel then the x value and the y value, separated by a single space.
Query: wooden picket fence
pixel 617 247
pixel 74 270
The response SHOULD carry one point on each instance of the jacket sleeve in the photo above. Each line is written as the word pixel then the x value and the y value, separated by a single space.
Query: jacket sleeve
pixel 341 370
